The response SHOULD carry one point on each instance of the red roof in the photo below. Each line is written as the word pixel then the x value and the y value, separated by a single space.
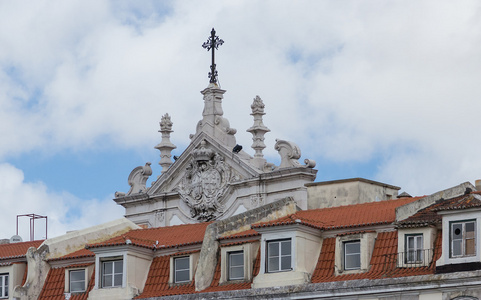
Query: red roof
pixel 429 215
pixel 383 261
pixel 366 214
pixel 54 286
pixel 17 250
pixel 159 238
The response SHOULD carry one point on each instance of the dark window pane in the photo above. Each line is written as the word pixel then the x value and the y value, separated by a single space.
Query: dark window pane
pixel 107 281
pixel 182 263
pixel 457 247
pixel 108 267
pixel 118 280
pixel 236 273
pixel 237 259
pixel 77 286
pixel 285 263
pixel 273 264
pixel 470 247
pixel 273 249
pixel 353 261
pixel 118 266
pixel 354 247
pixel 457 231
pixel 286 248
pixel 182 276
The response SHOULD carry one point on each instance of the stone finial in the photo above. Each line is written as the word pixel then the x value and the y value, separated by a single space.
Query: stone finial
pixel 258 130
pixel 165 147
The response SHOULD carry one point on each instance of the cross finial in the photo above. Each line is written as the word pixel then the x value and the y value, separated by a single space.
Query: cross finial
pixel 213 42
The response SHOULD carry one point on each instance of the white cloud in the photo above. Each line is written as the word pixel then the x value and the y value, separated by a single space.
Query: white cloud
pixel 347 81
pixel 65 212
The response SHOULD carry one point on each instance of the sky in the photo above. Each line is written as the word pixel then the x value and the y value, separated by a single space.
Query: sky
pixel 385 90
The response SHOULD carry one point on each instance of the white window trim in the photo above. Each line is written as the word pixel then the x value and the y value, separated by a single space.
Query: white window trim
pixel 193 259
pixel 176 259
pixel 67 278
pixel 366 239
pixel 345 268
pixel 99 258
pixel 451 240
pixel 429 237
pixel 230 266
pixel 250 252
pixel 274 237
pixel 281 255
pixel 456 216
pixel 418 247
pixel 3 287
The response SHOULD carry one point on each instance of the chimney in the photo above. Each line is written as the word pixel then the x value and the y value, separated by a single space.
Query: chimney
pixel 478 184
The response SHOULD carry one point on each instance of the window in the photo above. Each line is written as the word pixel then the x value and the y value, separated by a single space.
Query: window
pixel 463 238
pixel 77 280
pixel 236 265
pixel 352 255
pixel 279 256
pixel 181 269
pixel 4 285
pixel 112 272
pixel 414 248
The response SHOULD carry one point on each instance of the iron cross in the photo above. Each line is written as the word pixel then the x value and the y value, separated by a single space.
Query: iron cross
pixel 213 42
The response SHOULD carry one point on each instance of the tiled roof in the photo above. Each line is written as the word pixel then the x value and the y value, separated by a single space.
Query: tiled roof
pixel 463 202
pixel 383 261
pixel 17 250
pixel 54 286
pixel 74 255
pixel 157 284
pixel 429 216
pixel 159 238
pixel 359 215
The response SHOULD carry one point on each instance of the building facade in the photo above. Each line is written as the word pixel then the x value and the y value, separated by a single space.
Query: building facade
pixel 221 223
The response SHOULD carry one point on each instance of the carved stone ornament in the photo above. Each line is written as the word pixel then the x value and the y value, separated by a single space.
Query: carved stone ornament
pixel 204 183
pixel 138 178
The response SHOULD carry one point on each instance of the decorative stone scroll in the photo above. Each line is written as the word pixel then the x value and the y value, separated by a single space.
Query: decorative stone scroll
pixel 204 183
pixel 137 180
pixel 289 152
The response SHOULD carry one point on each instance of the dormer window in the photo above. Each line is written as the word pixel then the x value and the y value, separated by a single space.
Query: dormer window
pixel 463 238
pixel 352 255
pixel 279 256
pixel 181 269
pixel 3 285
pixel 112 272
pixel 414 249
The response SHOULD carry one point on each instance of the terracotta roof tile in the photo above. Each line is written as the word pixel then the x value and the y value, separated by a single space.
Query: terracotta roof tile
pixel 351 216
pixel 54 286
pixel 167 237
pixel 17 250
pixel 429 216
pixel 383 261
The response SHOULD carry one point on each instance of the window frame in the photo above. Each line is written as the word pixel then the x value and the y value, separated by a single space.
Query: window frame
pixel 4 277
pixel 176 259
pixel 230 266
pixel 70 280
pixel 344 244
pixel 103 274
pixel 417 250
pixel 280 256
pixel 463 238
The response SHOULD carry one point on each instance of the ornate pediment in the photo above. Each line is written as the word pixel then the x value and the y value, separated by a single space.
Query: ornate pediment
pixel 205 182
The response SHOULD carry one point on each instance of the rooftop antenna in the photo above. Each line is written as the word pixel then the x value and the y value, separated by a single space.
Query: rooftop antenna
pixel 213 42
pixel 33 217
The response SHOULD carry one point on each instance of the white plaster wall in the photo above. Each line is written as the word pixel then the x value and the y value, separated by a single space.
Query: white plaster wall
pixel 431 296
pixel 429 237
pixel 346 193
pixel 454 216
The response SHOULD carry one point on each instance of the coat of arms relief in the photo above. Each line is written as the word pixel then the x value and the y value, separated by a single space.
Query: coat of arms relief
pixel 204 183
